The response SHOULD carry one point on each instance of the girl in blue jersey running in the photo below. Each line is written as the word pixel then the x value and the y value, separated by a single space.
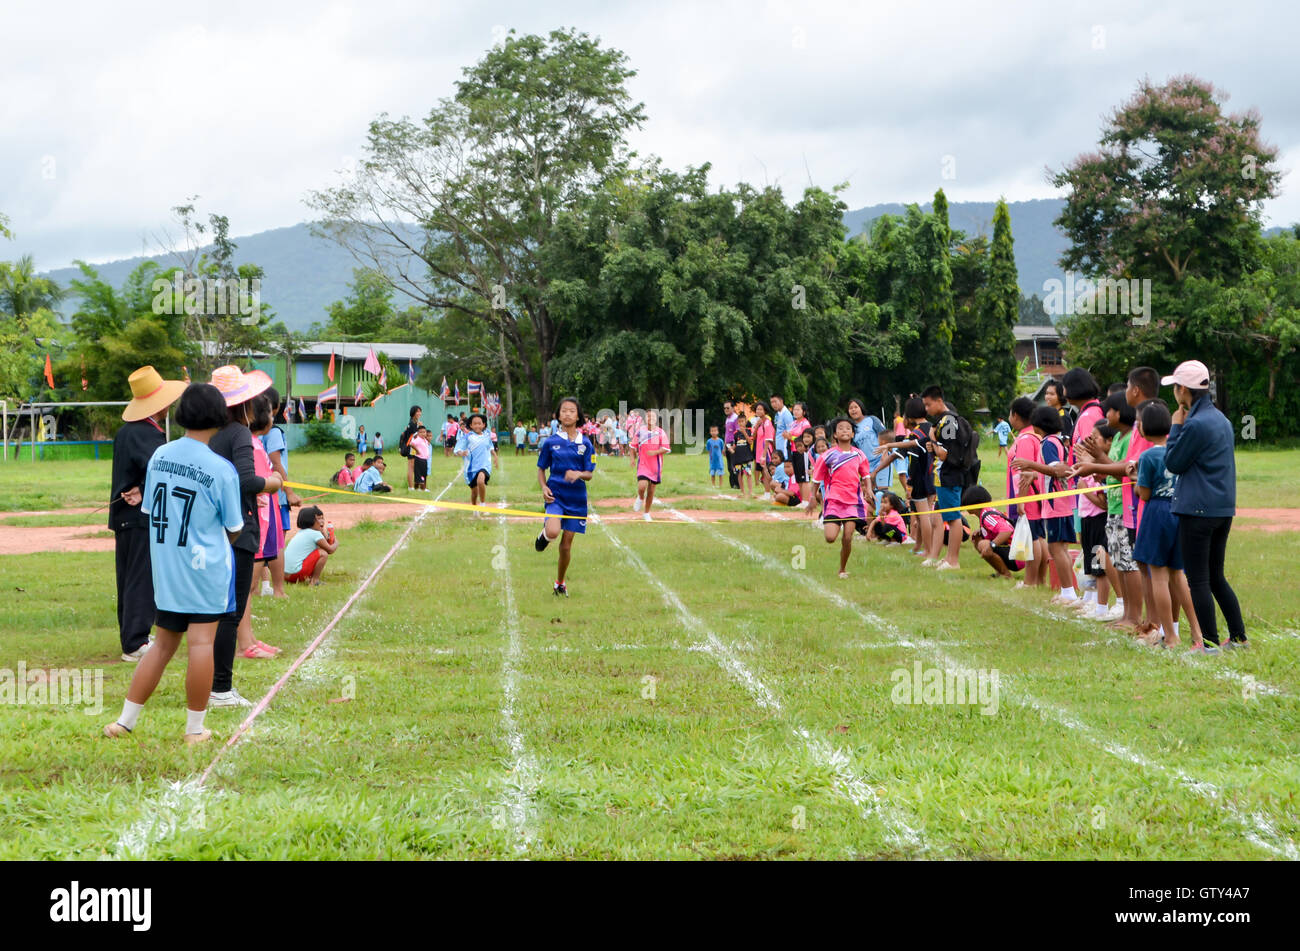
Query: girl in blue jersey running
pixel 571 459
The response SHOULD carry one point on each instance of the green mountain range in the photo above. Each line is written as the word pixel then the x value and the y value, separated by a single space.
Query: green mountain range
pixel 305 274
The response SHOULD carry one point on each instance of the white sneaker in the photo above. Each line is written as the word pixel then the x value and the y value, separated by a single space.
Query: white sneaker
pixel 136 654
pixel 929 562
pixel 647 517
pixel 636 504
pixel 228 698
pixel 267 590
pixel 767 497
pixel 1114 614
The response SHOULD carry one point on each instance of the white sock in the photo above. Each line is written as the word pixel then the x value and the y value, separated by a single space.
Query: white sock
pixel 1068 593
pixel 1101 610
pixel 194 720
pixel 1119 602
pixel 1090 596
pixel 130 713
pixel 1175 629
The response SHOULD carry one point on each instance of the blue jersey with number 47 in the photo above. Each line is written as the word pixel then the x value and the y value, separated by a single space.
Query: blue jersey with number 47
pixel 191 496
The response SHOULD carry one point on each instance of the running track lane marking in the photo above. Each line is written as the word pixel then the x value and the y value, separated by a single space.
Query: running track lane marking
pixel 522 784
pixel 1258 827
pixel 899 832
pixel 160 821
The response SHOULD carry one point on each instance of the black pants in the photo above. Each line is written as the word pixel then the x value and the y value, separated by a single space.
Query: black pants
pixel 135 608
pixel 1204 542
pixel 421 472
pixel 223 648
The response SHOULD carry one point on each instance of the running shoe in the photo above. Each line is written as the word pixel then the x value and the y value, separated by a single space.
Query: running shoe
pixel 135 655
pixel 647 517
pixel 1231 645
pixel 560 590
pixel 228 698
pixel 115 730
pixel 541 541
pixel 192 738
pixel 267 590
pixel 636 504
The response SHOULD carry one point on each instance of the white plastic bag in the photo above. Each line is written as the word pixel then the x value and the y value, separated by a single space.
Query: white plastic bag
pixel 1022 541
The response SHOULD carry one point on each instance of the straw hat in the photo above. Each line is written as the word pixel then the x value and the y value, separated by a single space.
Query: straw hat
pixel 150 393
pixel 237 386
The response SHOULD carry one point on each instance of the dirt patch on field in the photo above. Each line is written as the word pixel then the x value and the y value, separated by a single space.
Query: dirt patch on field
pixel 1268 520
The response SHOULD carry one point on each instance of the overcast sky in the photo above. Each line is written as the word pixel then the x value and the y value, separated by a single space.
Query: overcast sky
pixel 111 113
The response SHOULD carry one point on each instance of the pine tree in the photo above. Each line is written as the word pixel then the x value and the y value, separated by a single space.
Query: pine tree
pixel 1001 307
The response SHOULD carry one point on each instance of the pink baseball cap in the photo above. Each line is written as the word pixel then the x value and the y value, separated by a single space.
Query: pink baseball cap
pixel 1191 374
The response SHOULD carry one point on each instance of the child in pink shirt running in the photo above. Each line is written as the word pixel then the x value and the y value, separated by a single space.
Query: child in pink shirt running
pixel 651 445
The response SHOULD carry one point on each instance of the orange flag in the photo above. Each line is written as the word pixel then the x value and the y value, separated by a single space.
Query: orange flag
pixel 85 384
pixel 331 370
pixel 49 372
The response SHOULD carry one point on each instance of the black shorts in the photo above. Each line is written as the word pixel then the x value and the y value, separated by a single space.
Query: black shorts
pixel 1004 552
pixel 450 442
pixel 793 502
pixel 180 623
pixel 1092 529
pixel 859 524
pixel 642 478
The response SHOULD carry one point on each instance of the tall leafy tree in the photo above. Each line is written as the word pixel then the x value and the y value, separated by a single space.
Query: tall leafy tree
pixel 29 327
pixel 999 310
pixel 475 189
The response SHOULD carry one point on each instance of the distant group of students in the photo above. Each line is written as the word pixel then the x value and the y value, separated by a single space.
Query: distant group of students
pixel 199 523
pixel 1152 517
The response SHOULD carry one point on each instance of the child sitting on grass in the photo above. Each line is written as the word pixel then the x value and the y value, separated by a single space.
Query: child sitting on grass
pixel 888 527
pixel 783 485
pixel 347 476
pixel 309 548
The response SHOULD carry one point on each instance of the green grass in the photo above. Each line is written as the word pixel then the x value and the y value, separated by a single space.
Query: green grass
pixel 418 762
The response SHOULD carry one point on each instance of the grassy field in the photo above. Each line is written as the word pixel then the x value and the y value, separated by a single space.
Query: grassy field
pixel 708 690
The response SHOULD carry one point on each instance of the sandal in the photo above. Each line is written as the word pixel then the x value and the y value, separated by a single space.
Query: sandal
pixel 255 653
pixel 267 647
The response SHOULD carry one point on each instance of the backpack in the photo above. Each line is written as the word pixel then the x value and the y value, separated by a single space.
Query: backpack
pixel 967 458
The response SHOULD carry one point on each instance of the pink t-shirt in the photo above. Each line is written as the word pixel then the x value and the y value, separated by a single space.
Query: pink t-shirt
pixel 650 466
pixel 419 447
pixel 1025 447
pixel 763 431
pixel 1087 508
pixel 797 430
pixel 346 477
pixel 896 520
pixel 1064 505
pixel 1136 446
pixel 840 472
pixel 262 469
pixel 1089 419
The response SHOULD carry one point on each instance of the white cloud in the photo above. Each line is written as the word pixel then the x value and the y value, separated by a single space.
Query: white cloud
pixel 141 105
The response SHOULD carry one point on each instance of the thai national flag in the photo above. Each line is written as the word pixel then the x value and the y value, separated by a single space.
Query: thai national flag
pixel 302 409
pixel 444 393
pixel 325 395
pixel 361 395
pixel 472 387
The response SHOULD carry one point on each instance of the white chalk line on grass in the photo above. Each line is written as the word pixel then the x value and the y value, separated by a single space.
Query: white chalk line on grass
pixel 1259 829
pixel 524 778
pixel 185 797
pixel 1199 661
pixel 898 830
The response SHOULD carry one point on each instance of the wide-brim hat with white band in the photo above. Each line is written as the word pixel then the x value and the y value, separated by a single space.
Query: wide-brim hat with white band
pixel 150 394
pixel 237 386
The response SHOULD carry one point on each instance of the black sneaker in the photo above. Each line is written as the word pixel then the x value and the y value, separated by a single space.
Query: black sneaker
pixel 561 590
pixel 541 541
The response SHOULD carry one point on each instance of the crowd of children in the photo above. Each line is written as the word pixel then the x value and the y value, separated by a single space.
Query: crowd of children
pixel 1111 526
